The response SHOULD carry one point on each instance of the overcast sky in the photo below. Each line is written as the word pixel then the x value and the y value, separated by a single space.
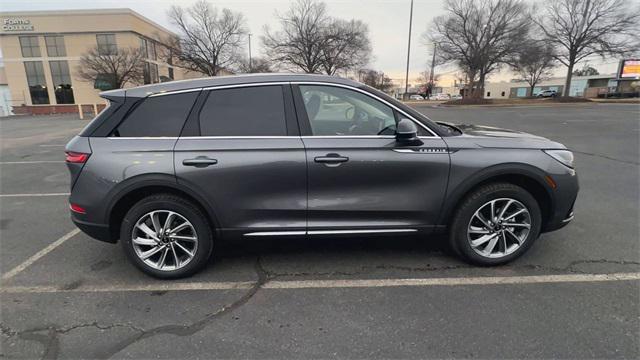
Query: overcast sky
pixel 388 22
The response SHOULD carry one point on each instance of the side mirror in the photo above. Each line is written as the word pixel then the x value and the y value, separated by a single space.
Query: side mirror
pixel 407 133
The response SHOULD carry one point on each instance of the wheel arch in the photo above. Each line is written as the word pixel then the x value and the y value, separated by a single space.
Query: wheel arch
pixel 525 176
pixel 137 188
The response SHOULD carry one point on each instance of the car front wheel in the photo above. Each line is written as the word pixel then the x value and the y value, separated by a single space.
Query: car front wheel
pixel 166 236
pixel 495 224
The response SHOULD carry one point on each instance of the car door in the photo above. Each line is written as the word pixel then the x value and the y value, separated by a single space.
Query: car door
pixel 242 151
pixel 359 178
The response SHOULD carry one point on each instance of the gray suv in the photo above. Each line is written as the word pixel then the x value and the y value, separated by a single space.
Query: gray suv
pixel 169 168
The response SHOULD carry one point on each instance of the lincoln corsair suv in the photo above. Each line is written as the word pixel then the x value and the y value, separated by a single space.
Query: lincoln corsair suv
pixel 168 169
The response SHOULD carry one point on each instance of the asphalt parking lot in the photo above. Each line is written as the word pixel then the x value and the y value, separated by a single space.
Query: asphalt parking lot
pixel 575 294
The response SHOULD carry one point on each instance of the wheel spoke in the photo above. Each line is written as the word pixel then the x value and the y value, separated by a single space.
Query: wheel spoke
pixel 143 241
pixel 186 238
pixel 179 228
pixel 514 214
pixel 478 230
pixel 184 249
pixel 504 209
pixel 517 238
pixel 155 219
pixel 163 258
pixel 149 253
pixel 483 239
pixel 175 256
pixel 503 238
pixel 147 230
pixel 492 245
pixel 167 223
pixel 493 210
pixel 482 219
pixel 518 225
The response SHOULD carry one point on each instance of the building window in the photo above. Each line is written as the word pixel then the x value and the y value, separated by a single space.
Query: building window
pixel 29 46
pixel 107 44
pixel 55 46
pixel 143 47
pixel 488 93
pixel 61 82
pixel 171 73
pixel 36 81
pixel 104 82
pixel 150 73
pixel 502 94
pixel 148 49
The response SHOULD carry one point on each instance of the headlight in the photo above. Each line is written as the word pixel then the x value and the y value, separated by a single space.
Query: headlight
pixel 565 157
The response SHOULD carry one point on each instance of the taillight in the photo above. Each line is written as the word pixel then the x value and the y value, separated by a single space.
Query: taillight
pixel 76 157
pixel 77 209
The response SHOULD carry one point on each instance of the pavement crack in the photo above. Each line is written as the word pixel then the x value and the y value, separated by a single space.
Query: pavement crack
pixel 188 330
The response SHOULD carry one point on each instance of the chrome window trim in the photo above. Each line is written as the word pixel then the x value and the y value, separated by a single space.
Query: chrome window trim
pixel 348 137
pixel 434 135
pixel 142 137
pixel 163 93
pixel 275 233
pixel 220 87
pixel 237 137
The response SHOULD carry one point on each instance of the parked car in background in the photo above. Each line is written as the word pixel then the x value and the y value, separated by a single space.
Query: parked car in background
pixel 547 93
pixel 456 97
pixel 416 97
pixel 442 96
pixel 168 169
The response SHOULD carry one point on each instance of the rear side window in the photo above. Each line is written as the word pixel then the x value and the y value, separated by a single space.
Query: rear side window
pixel 158 116
pixel 246 111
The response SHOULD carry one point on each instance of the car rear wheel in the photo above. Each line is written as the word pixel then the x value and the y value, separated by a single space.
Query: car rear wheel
pixel 495 224
pixel 166 236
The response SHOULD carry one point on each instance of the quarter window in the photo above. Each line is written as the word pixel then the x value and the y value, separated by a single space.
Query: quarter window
pixel 29 46
pixel 61 82
pixel 107 44
pixel 247 111
pixel 36 81
pixel 158 116
pixel 55 46
pixel 334 111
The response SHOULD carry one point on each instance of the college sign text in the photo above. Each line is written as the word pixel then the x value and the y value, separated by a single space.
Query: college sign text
pixel 17 24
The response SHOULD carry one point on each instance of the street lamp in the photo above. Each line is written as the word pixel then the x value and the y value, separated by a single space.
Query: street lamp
pixel 250 65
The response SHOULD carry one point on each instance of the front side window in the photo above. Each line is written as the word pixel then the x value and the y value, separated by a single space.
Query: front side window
pixel 29 46
pixel 335 111
pixel 55 46
pixel 36 81
pixel 107 44
pixel 61 82
pixel 158 116
pixel 246 111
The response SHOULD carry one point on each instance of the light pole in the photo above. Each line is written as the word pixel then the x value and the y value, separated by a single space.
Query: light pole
pixel 406 78
pixel 433 65
pixel 250 65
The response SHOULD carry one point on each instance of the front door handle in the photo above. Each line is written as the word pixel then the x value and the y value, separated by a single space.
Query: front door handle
pixel 199 162
pixel 331 159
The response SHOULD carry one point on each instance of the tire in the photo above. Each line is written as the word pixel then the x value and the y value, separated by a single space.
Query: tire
pixel 470 238
pixel 184 256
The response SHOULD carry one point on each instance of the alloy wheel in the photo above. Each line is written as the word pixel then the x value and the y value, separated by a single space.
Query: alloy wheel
pixel 164 240
pixel 499 228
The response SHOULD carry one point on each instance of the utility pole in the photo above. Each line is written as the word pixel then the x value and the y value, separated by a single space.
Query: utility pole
pixel 250 65
pixel 406 78
pixel 433 65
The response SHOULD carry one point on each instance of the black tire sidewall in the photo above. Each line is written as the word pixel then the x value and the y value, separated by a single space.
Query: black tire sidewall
pixel 182 207
pixel 458 232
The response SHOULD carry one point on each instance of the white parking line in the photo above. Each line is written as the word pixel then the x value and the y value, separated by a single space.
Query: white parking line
pixel 16 270
pixel 52 145
pixel 332 284
pixel 34 195
pixel 31 162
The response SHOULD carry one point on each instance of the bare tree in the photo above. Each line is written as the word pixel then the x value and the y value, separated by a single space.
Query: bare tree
pixel 346 46
pixel 258 65
pixel 311 41
pixel 115 68
pixel 533 63
pixel 209 40
pixel 375 79
pixel 479 35
pixel 586 71
pixel 582 28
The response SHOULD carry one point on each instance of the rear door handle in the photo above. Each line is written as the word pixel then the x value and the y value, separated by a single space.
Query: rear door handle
pixel 331 159
pixel 200 161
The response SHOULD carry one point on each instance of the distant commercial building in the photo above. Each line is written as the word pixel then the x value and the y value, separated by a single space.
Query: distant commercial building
pixel 41 53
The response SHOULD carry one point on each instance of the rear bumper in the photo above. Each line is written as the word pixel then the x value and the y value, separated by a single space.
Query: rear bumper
pixel 97 231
